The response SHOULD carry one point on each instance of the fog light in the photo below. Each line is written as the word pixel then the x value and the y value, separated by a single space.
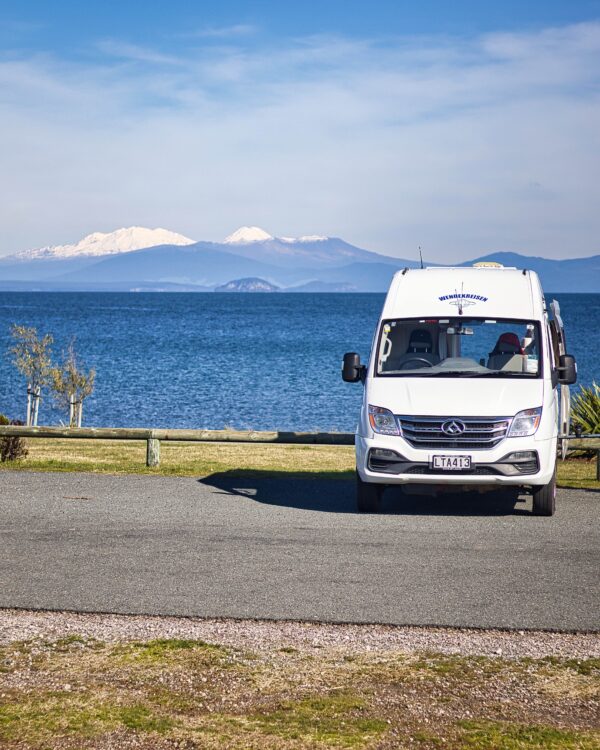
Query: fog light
pixel 385 461
pixel 385 453
pixel 520 462
pixel 521 456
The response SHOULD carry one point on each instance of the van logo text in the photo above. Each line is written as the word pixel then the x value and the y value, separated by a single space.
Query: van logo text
pixel 462 299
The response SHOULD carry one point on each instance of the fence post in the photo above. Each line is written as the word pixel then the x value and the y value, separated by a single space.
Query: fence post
pixel 152 452
pixel 28 423
pixel 598 465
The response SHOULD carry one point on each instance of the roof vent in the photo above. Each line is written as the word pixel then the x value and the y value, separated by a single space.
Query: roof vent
pixel 487 264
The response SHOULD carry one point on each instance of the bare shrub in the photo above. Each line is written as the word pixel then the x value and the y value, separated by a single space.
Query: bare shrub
pixel 72 385
pixel 12 448
pixel 32 358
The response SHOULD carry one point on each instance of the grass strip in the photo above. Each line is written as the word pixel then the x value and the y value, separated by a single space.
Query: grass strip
pixel 187 459
pixel 77 692
pixel 204 459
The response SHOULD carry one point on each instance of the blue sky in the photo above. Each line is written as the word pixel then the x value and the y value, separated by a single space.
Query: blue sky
pixel 67 28
pixel 462 127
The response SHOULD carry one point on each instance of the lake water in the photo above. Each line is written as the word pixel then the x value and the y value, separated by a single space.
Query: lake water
pixel 263 361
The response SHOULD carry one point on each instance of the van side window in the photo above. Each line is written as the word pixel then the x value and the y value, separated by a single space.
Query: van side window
pixel 553 344
pixel 555 341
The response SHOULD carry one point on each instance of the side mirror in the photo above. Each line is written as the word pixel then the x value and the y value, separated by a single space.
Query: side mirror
pixel 567 369
pixel 352 369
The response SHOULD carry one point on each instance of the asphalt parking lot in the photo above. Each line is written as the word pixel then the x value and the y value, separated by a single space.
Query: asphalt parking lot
pixel 228 546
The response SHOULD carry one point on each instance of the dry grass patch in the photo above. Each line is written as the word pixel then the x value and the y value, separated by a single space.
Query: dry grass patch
pixel 504 736
pixel 77 692
pixel 41 719
pixel 579 473
pixel 204 459
pixel 187 459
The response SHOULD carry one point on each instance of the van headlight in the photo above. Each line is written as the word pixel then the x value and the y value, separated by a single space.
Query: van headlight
pixel 383 421
pixel 525 423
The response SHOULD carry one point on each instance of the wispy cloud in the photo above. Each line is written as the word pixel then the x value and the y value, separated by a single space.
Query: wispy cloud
pixel 224 32
pixel 135 52
pixel 461 146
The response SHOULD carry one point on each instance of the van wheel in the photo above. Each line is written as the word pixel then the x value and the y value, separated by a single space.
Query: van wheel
pixel 368 496
pixel 544 498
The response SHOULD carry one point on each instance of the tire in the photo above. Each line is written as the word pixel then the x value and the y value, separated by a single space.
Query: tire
pixel 368 496
pixel 544 498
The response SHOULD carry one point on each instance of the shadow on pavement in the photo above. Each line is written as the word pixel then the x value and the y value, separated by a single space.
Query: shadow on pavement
pixel 310 491
pixel 579 489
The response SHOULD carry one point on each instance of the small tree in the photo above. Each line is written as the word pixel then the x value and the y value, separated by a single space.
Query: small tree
pixel 32 358
pixel 72 385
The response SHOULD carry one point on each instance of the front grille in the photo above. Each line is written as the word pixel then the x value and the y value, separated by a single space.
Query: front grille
pixel 479 432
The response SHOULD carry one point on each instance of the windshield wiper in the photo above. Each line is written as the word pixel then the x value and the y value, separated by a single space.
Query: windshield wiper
pixel 458 373
pixel 503 374
pixel 439 374
pixel 471 374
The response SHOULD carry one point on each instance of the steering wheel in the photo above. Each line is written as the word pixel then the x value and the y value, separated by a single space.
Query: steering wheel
pixel 415 359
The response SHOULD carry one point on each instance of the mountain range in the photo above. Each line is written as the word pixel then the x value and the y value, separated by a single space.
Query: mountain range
pixel 142 259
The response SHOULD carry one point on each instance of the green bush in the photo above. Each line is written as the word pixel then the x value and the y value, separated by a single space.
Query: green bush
pixel 585 409
pixel 11 448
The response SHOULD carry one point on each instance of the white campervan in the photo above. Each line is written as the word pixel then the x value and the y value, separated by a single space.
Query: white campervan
pixel 461 390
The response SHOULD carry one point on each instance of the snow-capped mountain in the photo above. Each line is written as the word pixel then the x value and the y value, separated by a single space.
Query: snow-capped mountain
pixel 307 251
pixel 245 235
pixel 100 243
pixel 305 238
pixel 167 261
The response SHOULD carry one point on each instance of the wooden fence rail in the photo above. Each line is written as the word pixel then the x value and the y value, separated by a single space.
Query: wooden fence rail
pixel 154 438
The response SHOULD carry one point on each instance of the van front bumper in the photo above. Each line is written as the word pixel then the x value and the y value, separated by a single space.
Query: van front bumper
pixel 515 461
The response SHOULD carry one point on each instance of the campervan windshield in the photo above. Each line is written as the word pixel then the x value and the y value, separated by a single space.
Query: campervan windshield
pixel 459 347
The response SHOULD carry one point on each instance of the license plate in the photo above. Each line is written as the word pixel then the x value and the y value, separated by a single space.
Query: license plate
pixel 450 463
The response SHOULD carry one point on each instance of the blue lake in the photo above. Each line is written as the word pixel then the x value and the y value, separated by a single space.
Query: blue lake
pixel 248 361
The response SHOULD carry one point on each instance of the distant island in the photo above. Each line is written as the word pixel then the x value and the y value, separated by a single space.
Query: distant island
pixel 251 284
pixel 159 260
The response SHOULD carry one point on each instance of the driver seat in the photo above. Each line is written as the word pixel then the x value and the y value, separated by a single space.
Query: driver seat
pixel 420 346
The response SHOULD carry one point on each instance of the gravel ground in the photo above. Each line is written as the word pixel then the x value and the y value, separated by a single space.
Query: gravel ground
pixel 22 625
